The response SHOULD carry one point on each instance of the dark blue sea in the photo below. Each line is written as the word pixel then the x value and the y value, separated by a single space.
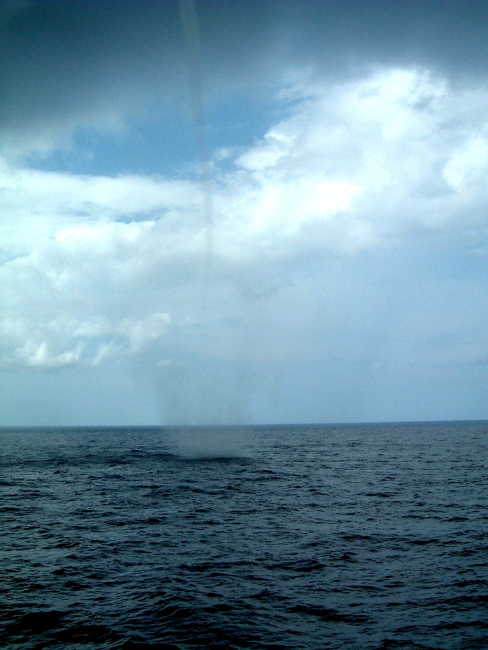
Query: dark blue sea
pixel 354 537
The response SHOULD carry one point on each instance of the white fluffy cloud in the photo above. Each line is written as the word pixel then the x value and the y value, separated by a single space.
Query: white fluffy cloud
pixel 95 268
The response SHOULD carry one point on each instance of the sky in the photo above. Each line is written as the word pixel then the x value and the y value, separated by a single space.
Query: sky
pixel 284 220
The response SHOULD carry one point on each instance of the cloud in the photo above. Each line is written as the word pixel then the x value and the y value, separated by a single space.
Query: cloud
pixel 371 160
pixel 67 67
pixel 87 67
pixel 81 65
pixel 40 357
pixel 97 269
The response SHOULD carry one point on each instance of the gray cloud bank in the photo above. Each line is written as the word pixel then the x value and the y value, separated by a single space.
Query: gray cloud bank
pixel 69 64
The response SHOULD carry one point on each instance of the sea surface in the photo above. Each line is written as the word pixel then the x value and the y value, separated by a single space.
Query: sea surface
pixel 354 537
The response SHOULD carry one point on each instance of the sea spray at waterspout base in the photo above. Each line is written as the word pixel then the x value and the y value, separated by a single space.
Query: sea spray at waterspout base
pixel 205 405
pixel 211 442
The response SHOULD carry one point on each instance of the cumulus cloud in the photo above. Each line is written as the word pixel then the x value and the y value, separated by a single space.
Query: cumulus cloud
pixel 96 268
pixel 39 356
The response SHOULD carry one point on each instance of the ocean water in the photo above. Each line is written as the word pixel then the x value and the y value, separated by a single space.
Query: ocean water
pixel 364 536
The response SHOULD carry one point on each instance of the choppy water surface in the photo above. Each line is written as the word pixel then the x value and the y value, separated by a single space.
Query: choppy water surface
pixel 369 536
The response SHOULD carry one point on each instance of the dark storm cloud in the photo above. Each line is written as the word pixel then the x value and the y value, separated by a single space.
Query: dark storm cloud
pixel 447 35
pixel 60 59
pixel 65 62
